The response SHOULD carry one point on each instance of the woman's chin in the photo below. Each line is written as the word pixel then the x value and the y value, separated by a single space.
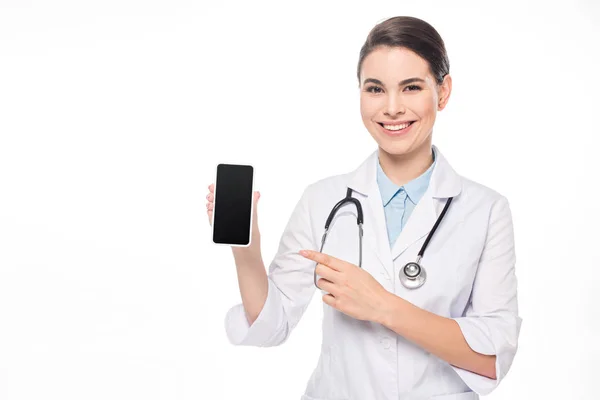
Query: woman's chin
pixel 394 148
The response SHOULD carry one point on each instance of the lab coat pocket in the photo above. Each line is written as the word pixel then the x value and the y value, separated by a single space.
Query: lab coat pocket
pixel 449 262
pixel 441 285
pixel 458 254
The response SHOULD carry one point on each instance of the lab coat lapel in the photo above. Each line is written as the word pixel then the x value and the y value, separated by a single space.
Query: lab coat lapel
pixel 418 225
pixel 444 183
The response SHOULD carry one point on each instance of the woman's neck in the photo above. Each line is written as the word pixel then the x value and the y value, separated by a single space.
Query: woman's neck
pixel 403 168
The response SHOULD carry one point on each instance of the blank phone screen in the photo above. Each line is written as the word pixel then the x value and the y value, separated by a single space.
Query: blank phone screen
pixel 233 204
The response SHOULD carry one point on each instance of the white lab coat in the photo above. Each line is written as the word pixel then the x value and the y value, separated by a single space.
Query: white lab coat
pixel 470 264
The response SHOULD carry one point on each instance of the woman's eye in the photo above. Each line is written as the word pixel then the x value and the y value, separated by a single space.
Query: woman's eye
pixel 413 88
pixel 374 89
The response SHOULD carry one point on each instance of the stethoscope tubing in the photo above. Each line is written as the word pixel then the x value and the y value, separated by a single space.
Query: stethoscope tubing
pixel 410 281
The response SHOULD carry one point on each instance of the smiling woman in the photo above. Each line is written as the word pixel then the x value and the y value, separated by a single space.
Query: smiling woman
pixel 403 73
pixel 454 335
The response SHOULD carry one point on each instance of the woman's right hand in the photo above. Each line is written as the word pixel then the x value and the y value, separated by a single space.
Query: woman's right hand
pixel 255 241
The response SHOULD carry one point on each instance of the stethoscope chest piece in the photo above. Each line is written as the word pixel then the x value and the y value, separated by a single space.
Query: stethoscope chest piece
pixel 412 276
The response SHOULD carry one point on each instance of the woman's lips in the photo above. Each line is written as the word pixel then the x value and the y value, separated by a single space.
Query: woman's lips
pixel 396 133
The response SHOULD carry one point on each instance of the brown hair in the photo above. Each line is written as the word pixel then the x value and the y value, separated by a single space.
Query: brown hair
pixel 413 34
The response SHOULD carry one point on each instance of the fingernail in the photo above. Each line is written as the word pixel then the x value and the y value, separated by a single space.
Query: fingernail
pixel 304 252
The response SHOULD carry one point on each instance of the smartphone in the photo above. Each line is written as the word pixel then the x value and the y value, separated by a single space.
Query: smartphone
pixel 232 210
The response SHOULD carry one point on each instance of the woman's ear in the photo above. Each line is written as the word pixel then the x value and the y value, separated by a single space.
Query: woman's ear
pixel 444 92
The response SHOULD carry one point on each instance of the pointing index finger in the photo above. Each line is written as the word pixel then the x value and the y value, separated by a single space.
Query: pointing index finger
pixel 322 258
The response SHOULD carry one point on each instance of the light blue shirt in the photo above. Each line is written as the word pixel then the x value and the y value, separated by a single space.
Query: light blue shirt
pixel 399 201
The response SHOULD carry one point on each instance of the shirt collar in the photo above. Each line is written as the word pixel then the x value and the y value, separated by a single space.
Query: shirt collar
pixel 414 189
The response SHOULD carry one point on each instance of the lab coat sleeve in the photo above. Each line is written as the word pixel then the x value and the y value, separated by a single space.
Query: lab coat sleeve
pixel 491 324
pixel 290 287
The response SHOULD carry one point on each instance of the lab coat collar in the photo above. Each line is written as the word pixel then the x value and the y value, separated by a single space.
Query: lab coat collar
pixel 444 183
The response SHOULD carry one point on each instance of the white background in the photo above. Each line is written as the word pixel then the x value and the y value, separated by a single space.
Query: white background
pixel 114 114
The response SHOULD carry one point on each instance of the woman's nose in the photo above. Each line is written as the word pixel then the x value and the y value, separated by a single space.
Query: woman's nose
pixel 394 106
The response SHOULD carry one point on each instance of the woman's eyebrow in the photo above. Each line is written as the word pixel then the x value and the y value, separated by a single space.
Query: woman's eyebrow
pixel 404 82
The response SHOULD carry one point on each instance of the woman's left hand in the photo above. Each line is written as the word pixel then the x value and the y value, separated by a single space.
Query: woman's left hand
pixel 352 290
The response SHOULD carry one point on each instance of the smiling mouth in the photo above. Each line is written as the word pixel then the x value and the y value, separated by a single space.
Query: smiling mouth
pixel 396 127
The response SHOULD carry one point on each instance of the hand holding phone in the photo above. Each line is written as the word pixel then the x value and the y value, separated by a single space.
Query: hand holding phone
pixel 231 207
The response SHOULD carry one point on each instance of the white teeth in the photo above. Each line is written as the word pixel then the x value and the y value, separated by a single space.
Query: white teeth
pixel 396 127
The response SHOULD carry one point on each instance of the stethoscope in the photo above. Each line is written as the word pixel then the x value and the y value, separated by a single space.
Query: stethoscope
pixel 413 275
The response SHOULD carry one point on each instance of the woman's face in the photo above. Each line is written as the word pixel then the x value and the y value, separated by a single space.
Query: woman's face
pixel 399 99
